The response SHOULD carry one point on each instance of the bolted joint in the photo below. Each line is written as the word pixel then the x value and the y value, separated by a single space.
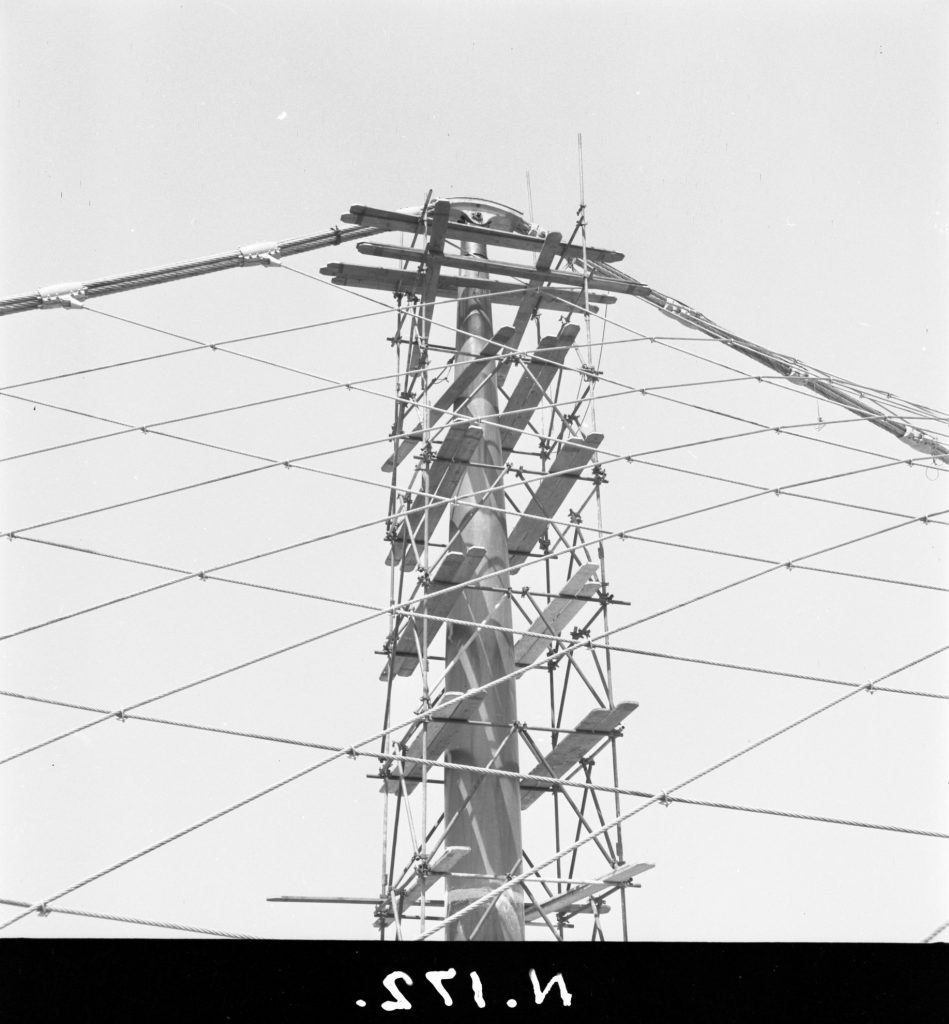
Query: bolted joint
pixel 574 517
pixel 599 474
pixel 425 456
pixel 590 373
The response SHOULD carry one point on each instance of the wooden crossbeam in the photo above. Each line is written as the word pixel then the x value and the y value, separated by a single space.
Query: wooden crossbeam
pixel 459 388
pixel 445 472
pixel 354 275
pixel 560 612
pixel 574 745
pixel 392 220
pixel 537 275
pixel 454 568
pixel 441 733
pixel 550 494
pixel 532 386
pixel 582 893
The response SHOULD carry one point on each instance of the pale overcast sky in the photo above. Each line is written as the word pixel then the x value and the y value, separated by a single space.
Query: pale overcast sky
pixel 780 166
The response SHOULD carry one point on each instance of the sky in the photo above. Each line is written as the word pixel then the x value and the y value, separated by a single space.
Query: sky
pixel 779 166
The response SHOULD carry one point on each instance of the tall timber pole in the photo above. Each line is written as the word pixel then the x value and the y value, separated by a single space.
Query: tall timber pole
pixel 484 812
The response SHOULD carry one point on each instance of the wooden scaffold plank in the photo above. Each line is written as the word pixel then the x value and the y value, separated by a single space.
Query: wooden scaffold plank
pixel 560 612
pixel 550 495
pixel 454 568
pixel 459 388
pixel 533 384
pixel 423 882
pixel 355 275
pixel 574 745
pixel 445 472
pixel 521 271
pixel 583 893
pixel 392 220
pixel 441 734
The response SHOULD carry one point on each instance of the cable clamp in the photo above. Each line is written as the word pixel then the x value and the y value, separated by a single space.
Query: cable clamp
pixel 11 535
pixel 43 910
pixel 788 565
pixel 203 577
pixel 65 296
pixel 264 253
pixel 121 716
pixel 425 456
pixel 871 688
pixel 351 753
pixel 664 799
pixel 337 234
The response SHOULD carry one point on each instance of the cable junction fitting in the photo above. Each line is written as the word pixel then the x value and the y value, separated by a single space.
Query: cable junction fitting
pixel 64 296
pixel 262 253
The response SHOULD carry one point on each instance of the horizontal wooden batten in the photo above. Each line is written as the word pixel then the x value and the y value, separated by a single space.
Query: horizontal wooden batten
pixel 354 275
pixel 392 220
pixel 535 380
pixel 460 388
pixel 454 568
pixel 574 745
pixel 441 733
pixel 550 494
pixel 560 612
pixel 445 472
pixel 583 893
pixel 515 270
